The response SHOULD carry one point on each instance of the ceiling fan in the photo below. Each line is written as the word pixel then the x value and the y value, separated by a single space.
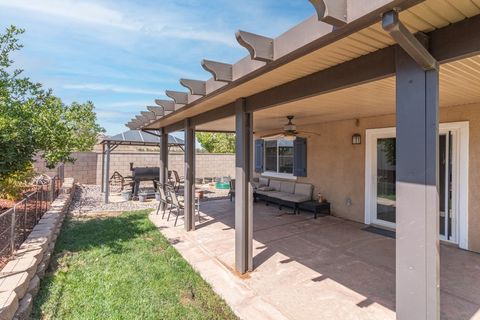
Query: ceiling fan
pixel 290 131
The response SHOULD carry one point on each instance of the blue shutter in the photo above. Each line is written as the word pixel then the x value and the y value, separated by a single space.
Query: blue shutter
pixel 259 155
pixel 300 157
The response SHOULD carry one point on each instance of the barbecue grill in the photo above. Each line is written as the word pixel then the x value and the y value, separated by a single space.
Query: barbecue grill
pixel 140 174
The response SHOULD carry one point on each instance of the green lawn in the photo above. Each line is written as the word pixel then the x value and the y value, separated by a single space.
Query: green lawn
pixel 122 268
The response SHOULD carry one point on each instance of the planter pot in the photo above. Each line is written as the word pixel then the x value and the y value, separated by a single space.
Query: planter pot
pixel 200 194
pixel 127 195
pixel 142 197
pixel 157 196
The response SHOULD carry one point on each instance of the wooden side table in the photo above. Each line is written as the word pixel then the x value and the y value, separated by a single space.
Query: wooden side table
pixel 315 207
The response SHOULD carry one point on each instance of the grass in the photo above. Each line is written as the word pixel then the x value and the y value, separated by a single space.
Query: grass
pixel 122 268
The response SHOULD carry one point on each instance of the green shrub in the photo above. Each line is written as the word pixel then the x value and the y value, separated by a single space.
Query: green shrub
pixel 13 185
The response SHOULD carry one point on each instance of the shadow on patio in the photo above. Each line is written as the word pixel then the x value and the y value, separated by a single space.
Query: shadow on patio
pixel 330 268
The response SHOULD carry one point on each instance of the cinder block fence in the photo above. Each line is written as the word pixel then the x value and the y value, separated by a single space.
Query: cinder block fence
pixel 87 169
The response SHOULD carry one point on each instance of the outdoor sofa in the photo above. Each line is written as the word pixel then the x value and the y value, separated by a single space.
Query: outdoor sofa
pixel 284 193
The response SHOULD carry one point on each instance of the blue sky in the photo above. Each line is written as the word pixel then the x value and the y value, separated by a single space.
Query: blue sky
pixel 123 54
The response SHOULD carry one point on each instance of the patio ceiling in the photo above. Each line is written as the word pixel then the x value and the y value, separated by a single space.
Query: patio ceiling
pixel 426 16
pixel 458 86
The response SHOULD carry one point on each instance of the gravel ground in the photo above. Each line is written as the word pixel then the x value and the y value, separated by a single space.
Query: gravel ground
pixel 89 198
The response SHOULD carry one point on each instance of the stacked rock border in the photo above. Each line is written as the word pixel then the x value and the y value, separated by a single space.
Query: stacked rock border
pixel 20 278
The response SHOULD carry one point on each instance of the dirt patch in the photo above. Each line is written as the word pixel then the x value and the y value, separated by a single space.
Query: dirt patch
pixel 6 204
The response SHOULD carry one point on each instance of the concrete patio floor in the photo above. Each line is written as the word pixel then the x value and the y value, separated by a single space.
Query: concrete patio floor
pixel 327 268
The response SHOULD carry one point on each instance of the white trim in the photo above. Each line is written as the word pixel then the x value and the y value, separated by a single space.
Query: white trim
pixel 461 157
pixel 371 136
pixel 276 174
pixel 285 176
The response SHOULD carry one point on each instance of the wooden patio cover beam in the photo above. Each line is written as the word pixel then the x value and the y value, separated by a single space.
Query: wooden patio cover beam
pixel 454 42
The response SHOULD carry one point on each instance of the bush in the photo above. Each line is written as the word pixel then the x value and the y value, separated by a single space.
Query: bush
pixel 13 185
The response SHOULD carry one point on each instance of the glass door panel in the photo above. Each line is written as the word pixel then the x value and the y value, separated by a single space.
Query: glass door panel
pixel 386 178
pixel 445 186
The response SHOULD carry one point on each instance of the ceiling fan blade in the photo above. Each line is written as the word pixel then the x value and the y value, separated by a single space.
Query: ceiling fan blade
pixel 309 132
pixel 274 135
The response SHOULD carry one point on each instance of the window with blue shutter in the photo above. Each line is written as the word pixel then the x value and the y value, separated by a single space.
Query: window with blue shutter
pixel 259 152
pixel 300 157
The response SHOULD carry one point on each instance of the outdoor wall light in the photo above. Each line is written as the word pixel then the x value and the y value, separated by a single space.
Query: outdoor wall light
pixel 356 139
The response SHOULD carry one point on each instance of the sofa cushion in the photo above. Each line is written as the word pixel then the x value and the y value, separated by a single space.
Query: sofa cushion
pixel 295 198
pixel 287 187
pixel 271 194
pixel 275 184
pixel 265 188
pixel 304 189
pixel 263 182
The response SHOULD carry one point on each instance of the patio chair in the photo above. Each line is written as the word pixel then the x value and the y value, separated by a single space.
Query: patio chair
pixel 178 181
pixel 165 200
pixel 176 205
pixel 231 193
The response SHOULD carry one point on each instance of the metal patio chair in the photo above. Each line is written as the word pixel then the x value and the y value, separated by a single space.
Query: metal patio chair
pixel 176 205
pixel 178 181
pixel 165 200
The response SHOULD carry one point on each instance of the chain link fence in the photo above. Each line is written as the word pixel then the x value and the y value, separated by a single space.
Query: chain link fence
pixel 17 222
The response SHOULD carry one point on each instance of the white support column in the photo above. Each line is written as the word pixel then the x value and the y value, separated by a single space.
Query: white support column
pixel 107 173
pixel 243 188
pixel 163 158
pixel 189 184
pixel 417 214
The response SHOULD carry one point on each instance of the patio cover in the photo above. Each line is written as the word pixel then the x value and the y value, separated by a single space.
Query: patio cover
pixel 141 138
pixel 131 138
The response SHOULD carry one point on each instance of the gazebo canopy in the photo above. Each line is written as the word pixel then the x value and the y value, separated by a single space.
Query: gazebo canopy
pixel 141 138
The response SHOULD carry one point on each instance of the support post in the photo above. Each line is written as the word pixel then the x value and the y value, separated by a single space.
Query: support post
pixel 103 168
pixel 243 188
pixel 417 209
pixel 163 157
pixel 107 174
pixel 189 184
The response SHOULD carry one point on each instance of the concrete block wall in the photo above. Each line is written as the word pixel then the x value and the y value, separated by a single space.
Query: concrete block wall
pixel 87 169
pixel 207 165
pixel 20 278
pixel 83 170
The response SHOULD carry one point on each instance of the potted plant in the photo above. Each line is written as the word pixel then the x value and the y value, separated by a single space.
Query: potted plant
pixel 142 196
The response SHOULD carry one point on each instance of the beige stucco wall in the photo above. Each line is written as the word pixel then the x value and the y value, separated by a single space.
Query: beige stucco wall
pixel 337 168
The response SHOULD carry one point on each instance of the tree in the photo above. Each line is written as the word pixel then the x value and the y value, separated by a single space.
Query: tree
pixel 217 142
pixel 33 121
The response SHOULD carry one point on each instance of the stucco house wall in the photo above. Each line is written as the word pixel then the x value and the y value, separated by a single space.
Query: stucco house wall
pixel 337 168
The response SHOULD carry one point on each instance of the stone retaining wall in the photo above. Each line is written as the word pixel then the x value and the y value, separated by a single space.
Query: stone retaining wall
pixel 20 278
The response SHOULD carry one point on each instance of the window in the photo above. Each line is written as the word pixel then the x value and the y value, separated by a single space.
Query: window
pixel 279 156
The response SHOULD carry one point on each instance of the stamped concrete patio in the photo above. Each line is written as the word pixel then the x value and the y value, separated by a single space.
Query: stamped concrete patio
pixel 327 268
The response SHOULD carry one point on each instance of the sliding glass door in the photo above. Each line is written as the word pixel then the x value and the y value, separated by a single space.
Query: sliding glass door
pixel 380 184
